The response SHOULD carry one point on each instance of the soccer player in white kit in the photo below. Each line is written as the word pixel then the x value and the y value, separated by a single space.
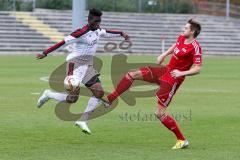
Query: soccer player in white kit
pixel 80 63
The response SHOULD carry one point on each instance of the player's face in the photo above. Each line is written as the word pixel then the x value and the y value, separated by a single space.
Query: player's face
pixel 187 31
pixel 94 23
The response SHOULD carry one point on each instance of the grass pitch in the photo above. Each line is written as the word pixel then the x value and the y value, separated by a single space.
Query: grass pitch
pixel 206 107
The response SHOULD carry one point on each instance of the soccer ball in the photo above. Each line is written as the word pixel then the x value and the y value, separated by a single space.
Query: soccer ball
pixel 72 83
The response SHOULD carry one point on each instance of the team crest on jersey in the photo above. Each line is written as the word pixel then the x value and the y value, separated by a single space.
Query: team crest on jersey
pixel 176 50
pixel 184 50
pixel 198 59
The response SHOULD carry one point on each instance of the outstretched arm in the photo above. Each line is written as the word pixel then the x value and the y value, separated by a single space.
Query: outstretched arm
pixel 50 49
pixel 107 33
pixel 67 40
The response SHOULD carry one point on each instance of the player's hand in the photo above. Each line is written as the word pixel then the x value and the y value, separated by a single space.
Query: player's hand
pixel 160 59
pixel 176 73
pixel 126 36
pixel 40 56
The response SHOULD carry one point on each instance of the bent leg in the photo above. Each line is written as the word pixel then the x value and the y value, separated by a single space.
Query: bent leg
pixel 60 97
pixel 124 84
pixel 97 89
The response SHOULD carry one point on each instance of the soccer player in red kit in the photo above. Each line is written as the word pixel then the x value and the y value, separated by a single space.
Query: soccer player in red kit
pixel 185 53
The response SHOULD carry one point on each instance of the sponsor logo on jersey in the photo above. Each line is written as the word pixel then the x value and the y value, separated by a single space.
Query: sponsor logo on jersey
pixel 97 33
pixel 93 42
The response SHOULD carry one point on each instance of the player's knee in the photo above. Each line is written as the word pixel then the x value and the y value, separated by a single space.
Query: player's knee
pixel 132 74
pixel 72 98
pixel 160 114
pixel 99 94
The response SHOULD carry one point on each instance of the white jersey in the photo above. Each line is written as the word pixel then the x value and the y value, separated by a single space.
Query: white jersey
pixel 84 43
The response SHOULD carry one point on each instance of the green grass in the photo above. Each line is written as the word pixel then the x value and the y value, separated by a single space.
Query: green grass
pixel 30 133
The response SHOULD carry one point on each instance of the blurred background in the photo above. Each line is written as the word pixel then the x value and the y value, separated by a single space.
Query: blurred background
pixel 29 26
pixel 215 7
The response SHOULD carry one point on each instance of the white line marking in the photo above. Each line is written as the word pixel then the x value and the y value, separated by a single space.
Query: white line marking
pixel 35 93
pixel 196 90
pixel 46 78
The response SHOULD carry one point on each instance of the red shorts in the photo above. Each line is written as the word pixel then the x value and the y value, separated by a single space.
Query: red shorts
pixel 168 85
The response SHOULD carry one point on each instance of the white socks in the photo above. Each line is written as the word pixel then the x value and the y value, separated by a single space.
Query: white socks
pixel 61 97
pixel 92 104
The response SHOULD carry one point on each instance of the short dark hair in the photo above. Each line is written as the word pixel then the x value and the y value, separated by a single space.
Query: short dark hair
pixel 95 12
pixel 195 26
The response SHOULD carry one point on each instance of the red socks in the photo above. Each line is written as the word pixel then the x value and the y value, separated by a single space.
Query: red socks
pixel 122 86
pixel 167 121
pixel 171 124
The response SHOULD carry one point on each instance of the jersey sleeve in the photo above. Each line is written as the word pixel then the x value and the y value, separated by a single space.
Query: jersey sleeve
pixel 106 33
pixel 67 40
pixel 54 47
pixel 197 57
pixel 79 32
pixel 76 34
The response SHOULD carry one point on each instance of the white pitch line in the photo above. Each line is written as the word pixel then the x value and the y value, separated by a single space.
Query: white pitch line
pixel 208 90
pixel 144 87
pixel 151 87
pixel 204 90
pixel 46 78
pixel 35 93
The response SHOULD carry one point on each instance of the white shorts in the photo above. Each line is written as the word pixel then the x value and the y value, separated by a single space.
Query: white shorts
pixel 84 72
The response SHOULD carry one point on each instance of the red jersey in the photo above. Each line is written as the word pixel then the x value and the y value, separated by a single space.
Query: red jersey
pixel 185 55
